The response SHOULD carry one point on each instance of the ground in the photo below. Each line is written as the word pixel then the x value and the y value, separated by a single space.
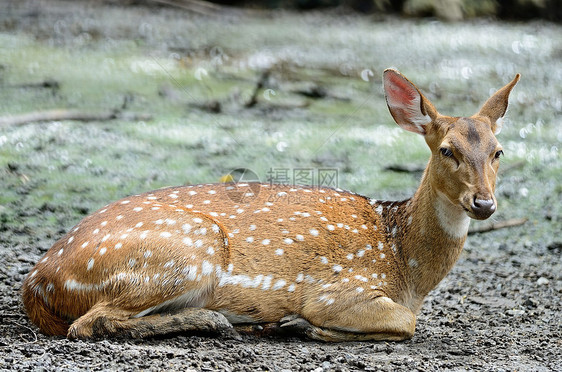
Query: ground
pixel 190 110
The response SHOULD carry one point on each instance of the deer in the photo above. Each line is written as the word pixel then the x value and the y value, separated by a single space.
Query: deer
pixel 328 264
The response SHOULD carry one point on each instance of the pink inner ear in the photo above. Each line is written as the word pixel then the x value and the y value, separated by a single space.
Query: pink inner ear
pixel 404 103
pixel 399 91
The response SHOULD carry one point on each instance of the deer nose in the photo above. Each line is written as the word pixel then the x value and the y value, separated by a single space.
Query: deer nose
pixel 483 208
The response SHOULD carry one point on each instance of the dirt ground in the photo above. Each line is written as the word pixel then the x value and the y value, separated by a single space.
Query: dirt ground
pixel 498 310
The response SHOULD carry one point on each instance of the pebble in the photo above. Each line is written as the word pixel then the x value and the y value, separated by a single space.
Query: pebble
pixel 543 281
pixel 516 312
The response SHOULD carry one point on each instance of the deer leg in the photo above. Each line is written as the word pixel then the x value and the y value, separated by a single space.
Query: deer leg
pixel 106 321
pixel 382 319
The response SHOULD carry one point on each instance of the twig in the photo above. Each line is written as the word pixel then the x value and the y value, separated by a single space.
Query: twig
pixel 497 225
pixel 61 114
pixel 35 339
pixel 259 86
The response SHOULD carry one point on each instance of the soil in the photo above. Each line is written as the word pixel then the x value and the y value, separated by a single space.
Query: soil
pixel 498 310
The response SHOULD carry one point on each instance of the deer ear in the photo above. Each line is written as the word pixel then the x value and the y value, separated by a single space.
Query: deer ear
pixel 496 106
pixel 409 108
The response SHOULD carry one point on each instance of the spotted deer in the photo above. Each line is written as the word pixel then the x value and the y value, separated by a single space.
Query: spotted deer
pixel 330 264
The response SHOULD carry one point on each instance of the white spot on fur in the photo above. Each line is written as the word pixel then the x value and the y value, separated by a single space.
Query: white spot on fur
pixel 90 264
pixel 206 268
pixel 279 251
pixel 266 282
pixel 186 228
pixel 278 284
pixel 361 278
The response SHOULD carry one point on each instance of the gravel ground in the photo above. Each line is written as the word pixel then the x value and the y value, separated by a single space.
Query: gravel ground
pixel 499 309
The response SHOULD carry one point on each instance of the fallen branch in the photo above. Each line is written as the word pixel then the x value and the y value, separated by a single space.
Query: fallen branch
pixel 49 84
pixel 196 6
pixel 77 115
pixel 401 168
pixel 497 225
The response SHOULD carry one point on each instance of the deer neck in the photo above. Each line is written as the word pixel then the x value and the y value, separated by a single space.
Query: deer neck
pixel 434 232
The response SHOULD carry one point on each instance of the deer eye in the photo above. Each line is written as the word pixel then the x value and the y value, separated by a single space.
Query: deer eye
pixel 498 154
pixel 446 152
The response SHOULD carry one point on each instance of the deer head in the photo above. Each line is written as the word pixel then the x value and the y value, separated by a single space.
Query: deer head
pixel 465 152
